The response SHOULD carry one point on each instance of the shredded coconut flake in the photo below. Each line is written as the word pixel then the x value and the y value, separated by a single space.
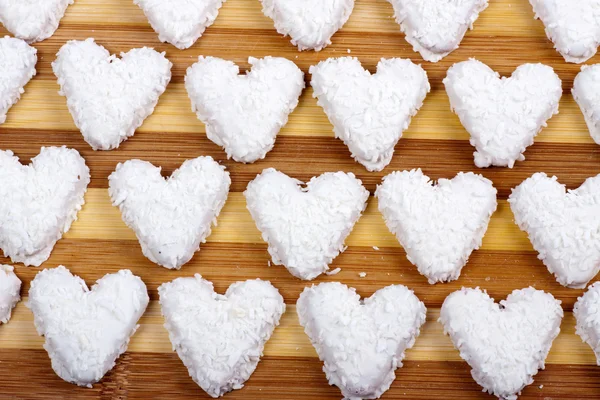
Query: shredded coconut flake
pixel 16 69
pixel 10 286
pixel 32 20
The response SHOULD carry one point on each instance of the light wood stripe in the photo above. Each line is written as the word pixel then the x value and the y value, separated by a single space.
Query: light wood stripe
pixel 374 16
pixel 289 339
pixel 100 220
pixel 42 107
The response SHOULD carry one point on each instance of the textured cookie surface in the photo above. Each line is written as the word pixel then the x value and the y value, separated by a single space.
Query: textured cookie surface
pixel 110 97
pixel 502 115
pixel 10 286
pixel 361 343
pixel 563 225
pixel 573 26
pixel 435 28
pixel 244 113
pixel 17 67
pixel 180 22
pixel 369 112
pixel 588 318
pixel 86 330
pixel 220 338
pixel 309 23
pixel 170 217
pixel 305 227
pixel 507 343
pixel 39 201
pixel 586 92
pixel 440 225
pixel 32 20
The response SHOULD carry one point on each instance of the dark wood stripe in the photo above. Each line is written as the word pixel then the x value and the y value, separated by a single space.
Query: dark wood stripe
pixel 305 157
pixel 500 272
pixel 238 44
pixel 136 374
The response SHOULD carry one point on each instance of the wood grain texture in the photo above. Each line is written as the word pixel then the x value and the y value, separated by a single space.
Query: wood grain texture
pixel 505 36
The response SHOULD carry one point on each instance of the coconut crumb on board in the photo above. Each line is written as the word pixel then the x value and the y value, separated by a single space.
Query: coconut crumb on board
pixel 333 272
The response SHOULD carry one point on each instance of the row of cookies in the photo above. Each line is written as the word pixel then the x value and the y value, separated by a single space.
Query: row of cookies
pixel 109 98
pixel 433 28
pixel 305 227
pixel 220 338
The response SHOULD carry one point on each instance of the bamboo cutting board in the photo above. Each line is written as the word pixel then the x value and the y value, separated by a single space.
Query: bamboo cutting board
pixel 505 36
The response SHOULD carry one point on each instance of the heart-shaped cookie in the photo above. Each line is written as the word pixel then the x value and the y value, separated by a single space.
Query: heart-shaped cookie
pixel 10 286
pixel 503 115
pixel 110 97
pixel 220 338
pixel 563 225
pixel 305 227
pixel 369 112
pixel 32 20
pixel 244 113
pixel 39 201
pixel 435 28
pixel 588 318
pixel 505 344
pixel 170 217
pixel 309 23
pixel 361 342
pixel 86 330
pixel 573 26
pixel 440 225
pixel 17 67
pixel 586 88
pixel 180 22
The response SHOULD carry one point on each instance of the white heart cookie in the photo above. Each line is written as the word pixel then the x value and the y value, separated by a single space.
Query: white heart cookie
pixel 502 115
pixel 361 342
pixel 505 344
pixel 573 26
pixel 110 97
pixel 586 88
pixel 587 315
pixel 369 112
pixel 220 338
pixel 180 22
pixel 32 20
pixel 17 67
pixel 86 330
pixel 244 113
pixel 309 23
pixel 305 227
pixel 10 286
pixel 39 201
pixel 563 225
pixel 435 28
pixel 170 217
pixel 440 225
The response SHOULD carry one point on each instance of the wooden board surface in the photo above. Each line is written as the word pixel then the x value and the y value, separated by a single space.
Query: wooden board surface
pixel 505 36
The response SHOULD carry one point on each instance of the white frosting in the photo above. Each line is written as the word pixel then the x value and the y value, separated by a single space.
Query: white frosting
pixel 502 115
pixel 17 67
pixel 180 22
pixel 32 20
pixel 440 225
pixel 505 344
pixel 244 113
pixel 10 286
pixel 110 97
pixel 573 26
pixel 86 330
pixel 435 28
pixel 170 217
pixel 369 112
pixel 563 225
pixel 39 201
pixel 361 342
pixel 305 227
pixel 586 91
pixel 588 318
pixel 220 338
pixel 309 23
